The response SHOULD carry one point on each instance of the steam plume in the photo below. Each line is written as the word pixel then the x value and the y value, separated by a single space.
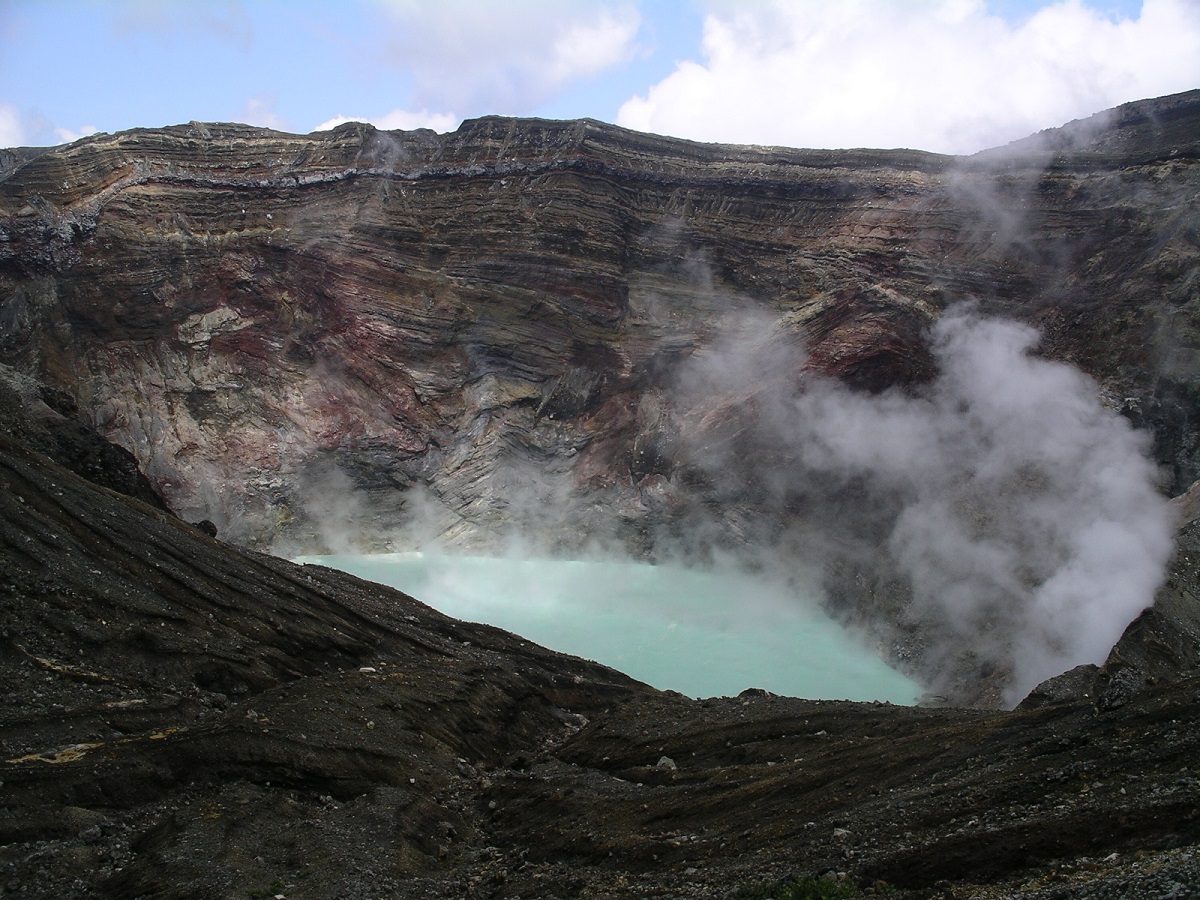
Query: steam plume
pixel 1022 512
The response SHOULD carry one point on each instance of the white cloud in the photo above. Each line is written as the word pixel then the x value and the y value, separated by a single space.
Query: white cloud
pixel 942 75
pixel 11 132
pixel 67 136
pixel 505 57
pixel 261 111
pixel 588 48
pixel 26 128
pixel 398 119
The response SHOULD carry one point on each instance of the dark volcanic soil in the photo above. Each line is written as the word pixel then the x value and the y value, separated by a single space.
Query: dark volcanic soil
pixel 180 718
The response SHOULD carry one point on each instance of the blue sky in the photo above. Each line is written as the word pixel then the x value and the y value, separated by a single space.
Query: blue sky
pixel 945 75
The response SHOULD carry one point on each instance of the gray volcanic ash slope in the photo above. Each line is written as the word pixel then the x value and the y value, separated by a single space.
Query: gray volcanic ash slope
pixel 376 338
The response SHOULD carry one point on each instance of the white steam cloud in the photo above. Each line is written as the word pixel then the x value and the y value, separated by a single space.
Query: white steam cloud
pixel 1023 512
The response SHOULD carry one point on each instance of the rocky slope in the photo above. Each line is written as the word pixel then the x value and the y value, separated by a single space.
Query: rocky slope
pixel 360 335
pixel 183 718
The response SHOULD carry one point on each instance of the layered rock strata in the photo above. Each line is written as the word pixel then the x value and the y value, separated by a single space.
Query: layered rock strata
pixel 355 334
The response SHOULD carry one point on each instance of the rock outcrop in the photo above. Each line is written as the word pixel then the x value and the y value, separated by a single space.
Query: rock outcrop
pixel 383 336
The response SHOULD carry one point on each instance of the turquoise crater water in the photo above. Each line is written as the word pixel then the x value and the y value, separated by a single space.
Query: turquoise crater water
pixel 702 633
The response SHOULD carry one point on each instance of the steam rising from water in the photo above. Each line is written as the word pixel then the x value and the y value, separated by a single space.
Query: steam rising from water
pixel 1022 511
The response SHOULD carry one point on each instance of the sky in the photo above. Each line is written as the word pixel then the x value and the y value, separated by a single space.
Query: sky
pixel 951 76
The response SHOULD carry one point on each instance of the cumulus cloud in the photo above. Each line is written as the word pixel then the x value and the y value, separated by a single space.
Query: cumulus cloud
pixel 942 75
pixel 398 120
pixel 505 57
pixel 494 58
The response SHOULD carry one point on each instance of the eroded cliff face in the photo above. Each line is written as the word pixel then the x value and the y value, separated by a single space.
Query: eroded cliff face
pixel 239 307
pixel 392 336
